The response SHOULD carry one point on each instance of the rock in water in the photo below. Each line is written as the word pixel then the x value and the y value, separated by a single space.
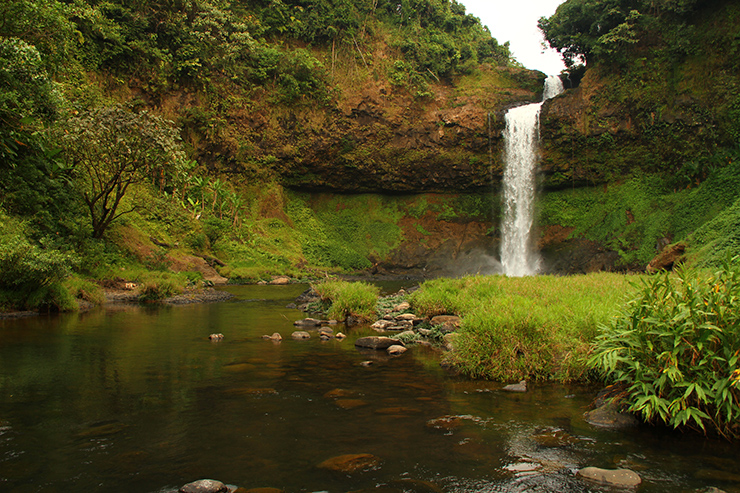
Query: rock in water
pixel 300 334
pixel 376 342
pixel 608 416
pixel 216 337
pixel 351 463
pixel 396 349
pixel 623 478
pixel 204 486
pixel 517 387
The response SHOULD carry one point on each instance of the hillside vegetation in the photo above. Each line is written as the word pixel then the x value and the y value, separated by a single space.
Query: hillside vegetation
pixel 138 138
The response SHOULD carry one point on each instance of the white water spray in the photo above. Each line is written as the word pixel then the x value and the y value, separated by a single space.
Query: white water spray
pixel 518 255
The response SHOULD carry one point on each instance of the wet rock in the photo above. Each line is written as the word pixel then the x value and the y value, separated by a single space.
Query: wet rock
pixel 351 463
pixel 351 403
pixel 204 486
pixel 216 337
pixel 274 337
pixel 325 336
pixel 340 336
pixel 398 410
pixel 623 478
pixel 554 438
pixel 300 335
pixel 329 322
pixel 396 349
pixel 337 393
pixel 366 363
pixel 326 330
pixel 280 280
pixel 517 387
pixel 445 423
pixel 309 322
pixel 608 416
pixel 382 324
pixel 376 342
pixel 416 486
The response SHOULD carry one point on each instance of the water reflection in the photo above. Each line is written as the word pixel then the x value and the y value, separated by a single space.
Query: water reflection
pixel 138 399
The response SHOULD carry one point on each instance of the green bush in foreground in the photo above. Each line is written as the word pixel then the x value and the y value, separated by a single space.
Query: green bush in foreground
pixel 676 347
pixel 356 299
pixel 532 327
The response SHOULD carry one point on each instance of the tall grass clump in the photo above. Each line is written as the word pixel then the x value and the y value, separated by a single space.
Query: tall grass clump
pixel 675 349
pixel 348 299
pixel 532 327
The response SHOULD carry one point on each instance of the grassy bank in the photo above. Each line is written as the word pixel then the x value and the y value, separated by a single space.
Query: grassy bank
pixel 532 327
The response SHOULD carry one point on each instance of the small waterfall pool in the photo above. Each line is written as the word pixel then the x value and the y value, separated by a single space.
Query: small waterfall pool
pixel 137 399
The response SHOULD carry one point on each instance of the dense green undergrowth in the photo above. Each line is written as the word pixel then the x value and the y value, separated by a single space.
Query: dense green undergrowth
pixel 675 350
pixel 639 214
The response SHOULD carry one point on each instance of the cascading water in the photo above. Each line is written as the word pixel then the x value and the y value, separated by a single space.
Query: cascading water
pixel 518 256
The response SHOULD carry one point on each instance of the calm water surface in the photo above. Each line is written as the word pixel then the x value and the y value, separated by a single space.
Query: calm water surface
pixel 137 399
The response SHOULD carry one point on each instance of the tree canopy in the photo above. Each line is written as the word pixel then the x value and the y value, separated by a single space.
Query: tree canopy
pixel 590 30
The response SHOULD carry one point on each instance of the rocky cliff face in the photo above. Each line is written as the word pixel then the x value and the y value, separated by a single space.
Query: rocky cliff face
pixel 374 137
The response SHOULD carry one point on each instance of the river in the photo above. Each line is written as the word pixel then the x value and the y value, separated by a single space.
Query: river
pixel 138 399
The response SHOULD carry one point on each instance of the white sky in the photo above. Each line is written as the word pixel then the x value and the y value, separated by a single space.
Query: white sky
pixel 516 21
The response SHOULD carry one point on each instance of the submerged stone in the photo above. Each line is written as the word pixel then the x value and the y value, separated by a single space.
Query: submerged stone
pixel 351 463
pixel 623 478
pixel 517 387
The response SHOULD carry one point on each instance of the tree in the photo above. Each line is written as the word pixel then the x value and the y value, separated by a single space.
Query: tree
pixel 112 148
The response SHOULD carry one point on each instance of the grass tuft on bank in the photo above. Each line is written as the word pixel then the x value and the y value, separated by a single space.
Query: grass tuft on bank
pixel 532 327
pixel 348 299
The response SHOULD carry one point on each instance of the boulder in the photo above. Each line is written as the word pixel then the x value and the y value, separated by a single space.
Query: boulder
pixel 326 330
pixel 517 387
pixel 407 316
pixel 622 478
pixel 401 307
pixel 666 258
pixel 300 335
pixel 274 337
pixel 396 349
pixel 351 463
pixel 204 486
pixel 376 342
pixel 608 416
pixel 340 336
pixel 311 322
pixel 382 324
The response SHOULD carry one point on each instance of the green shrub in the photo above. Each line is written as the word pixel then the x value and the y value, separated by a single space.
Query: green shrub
pixel 356 299
pixel 675 349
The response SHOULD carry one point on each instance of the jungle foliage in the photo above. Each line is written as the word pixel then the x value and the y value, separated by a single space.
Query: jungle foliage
pixel 675 348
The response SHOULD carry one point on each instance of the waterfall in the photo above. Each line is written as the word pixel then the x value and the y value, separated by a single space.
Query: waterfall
pixel 518 255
